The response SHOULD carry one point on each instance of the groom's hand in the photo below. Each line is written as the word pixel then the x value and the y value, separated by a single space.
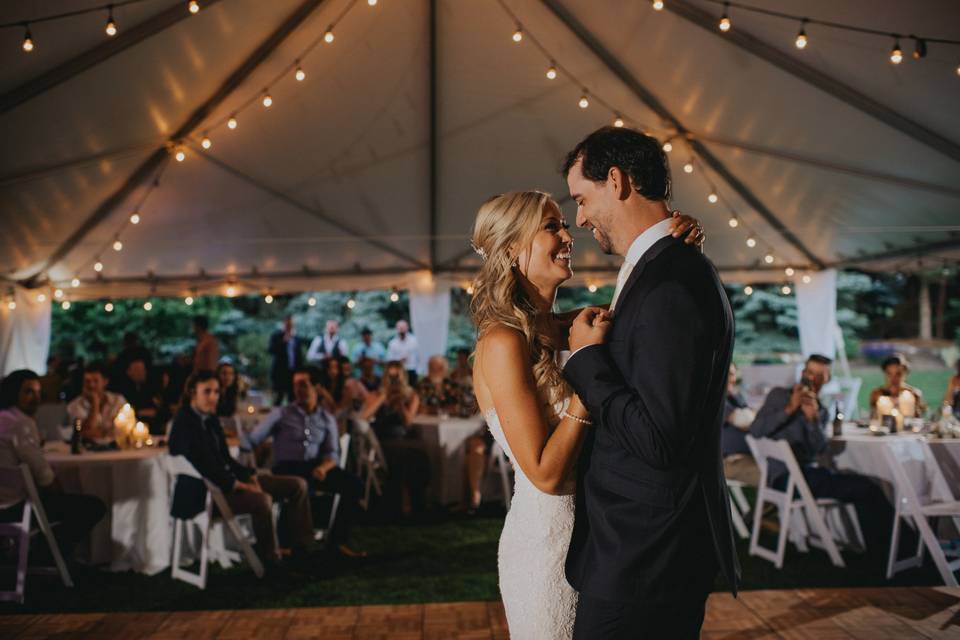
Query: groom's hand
pixel 590 327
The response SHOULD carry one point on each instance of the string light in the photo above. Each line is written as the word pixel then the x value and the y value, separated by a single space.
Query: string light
pixel 658 5
pixel 41 297
pixel 768 258
pixel 108 307
pixel 552 72
pixel 11 305
pixel 147 306
pixel 592 288
pixel 300 74
pixel 725 19
pixel 518 34
pixel 668 146
pixel 135 218
pixel 733 222
pixel 75 282
pixel 328 36
pixel 394 296
pixel 311 301
pixel 751 242
pixel 712 198
pixel 469 289
pixel 58 294
pixel 27 39
pixel 98 266
pixel 688 167
pixel 618 122
pixel 789 272
pixel 351 303
pixel 267 100
pixel 65 305
pixel 919 48
pixel 785 290
pixel 180 154
pixel 806 278
pixel 801 41
pixel 188 301
pixel 268 299
pixel 206 143
pixel 372 3
pixel 748 290
pixel 117 245
pixel 584 103
pixel 231 291
pixel 111 27
pixel 193 6
pixel 232 122
pixel 896 54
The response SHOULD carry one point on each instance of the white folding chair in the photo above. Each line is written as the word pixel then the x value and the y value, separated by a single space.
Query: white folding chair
pixel 324 534
pixel 739 507
pixel 805 514
pixel 178 465
pixel 498 463
pixel 911 509
pixel 370 460
pixel 19 479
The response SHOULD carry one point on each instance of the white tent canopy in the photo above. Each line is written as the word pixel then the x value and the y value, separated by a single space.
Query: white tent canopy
pixel 368 172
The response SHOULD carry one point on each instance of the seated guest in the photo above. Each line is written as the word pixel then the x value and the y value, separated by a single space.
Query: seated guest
pixel 135 385
pixel 95 406
pixel 391 409
pixel 331 379
pixel 306 443
pixel 438 393
pixel 895 371
pixel 797 416
pixel 232 390
pixel 952 397
pixel 368 375
pixel 462 374
pixel 198 436
pixel 738 463
pixel 75 514
pixel 354 392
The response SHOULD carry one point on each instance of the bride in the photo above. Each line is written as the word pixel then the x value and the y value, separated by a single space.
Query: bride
pixel 531 411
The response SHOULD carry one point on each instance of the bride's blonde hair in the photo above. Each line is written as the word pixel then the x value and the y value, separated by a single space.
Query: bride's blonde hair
pixel 505 225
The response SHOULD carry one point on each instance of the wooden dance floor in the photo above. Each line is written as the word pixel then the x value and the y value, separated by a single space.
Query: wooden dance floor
pixel 825 614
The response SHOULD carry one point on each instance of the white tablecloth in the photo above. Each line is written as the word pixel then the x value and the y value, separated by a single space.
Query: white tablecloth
pixel 135 534
pixel 445 439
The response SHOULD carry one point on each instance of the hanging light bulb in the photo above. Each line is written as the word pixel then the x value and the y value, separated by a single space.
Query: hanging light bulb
pixel 134 218
pixel 231 291
pixel 518 34
pixel 801 40
pixel 117 245
pixel 896 54
pixel 108 307
pixel 768 258
pixel 584 103
pixel 206 142
pixel 311 301
pixel 300 74
pixel 147 306
pixel 111 27
pixel 618 122
pixel 658 5
pixel 789 272
pixel 806 278
pixel 65 305
pixel 180 154
pixel 733 222
pixel 688 167
pixel 469 289
pixel 193 6
pixel 785 290
pixel 267 100
pixel 395 296
pixel 41 297
pixel 751 242
pixel 958 69
pixel 98 266
pixel 11 305
pixel 58 294
pixel 75 282
pixel 552 72
pixel 713 197
pixel 232 122
pixel 27 39
pixel 268 299
pixel 748 290
pixel 668 146
pixel 351 303
pixel 328 36
pixel 188 301
pixel 372 3
pixel 725 19
pixel 592 288
pixel 919 48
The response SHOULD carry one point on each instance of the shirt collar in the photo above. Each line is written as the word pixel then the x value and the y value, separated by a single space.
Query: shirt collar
pixel 647 239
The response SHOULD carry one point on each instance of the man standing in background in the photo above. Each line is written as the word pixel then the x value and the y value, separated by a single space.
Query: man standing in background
pixel 404 348
pixel 286 353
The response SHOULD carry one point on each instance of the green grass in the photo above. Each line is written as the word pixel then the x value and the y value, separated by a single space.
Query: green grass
pixel 454 560
pixel 932 382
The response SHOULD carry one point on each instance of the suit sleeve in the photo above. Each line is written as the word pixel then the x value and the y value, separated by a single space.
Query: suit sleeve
pixel 653 413
pixel 771 417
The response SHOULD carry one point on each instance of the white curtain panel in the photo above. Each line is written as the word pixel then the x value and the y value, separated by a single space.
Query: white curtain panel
pixel 817 313
pixel 430 316
pixel 25 331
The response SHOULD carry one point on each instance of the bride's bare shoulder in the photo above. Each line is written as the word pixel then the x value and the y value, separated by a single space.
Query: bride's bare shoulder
pixel 502 345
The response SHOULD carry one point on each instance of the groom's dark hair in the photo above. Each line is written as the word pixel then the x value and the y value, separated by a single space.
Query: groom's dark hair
pixel 636 154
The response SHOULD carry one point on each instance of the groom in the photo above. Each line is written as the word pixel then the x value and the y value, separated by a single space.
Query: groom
pixel 653 521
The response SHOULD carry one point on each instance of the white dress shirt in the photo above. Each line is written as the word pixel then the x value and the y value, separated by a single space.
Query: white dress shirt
pixel 79 409
pixel 20 443
pixel 326 346
pixel 405 351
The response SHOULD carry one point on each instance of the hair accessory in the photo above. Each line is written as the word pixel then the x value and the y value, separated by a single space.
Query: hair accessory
pixel 480 251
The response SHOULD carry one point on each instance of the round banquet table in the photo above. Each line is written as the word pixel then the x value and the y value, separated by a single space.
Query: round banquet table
pixel 445 440
pixel 135 534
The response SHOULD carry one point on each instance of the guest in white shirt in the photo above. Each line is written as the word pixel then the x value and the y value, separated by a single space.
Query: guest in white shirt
pixel 95 406
pixel 20 444
pixel 403 348
pixel 328 345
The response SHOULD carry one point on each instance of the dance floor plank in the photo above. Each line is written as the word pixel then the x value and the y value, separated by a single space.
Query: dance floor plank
pixel 815 614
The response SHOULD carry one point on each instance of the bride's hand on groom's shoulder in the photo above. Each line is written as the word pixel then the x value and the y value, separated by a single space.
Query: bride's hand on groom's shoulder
pixel 683 224
pixel 589 327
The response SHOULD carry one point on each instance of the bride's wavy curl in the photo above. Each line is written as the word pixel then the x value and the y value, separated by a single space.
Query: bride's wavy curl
pixel 505 225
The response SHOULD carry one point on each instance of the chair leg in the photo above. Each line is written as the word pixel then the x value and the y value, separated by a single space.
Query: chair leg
pixel 738 522
pixel 936 552
pixel 737 492
pixel 23 553
pixel 757 521
pixel 894 544
pixel 55 551
pixel 785 518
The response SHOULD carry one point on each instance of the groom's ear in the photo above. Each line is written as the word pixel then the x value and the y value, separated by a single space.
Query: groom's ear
pixel 620 182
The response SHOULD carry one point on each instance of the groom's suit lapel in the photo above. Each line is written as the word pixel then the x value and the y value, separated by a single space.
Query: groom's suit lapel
pixel 648 257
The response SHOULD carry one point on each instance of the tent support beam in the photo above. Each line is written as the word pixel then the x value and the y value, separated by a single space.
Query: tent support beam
pixel 149 166
pixel 95 55
pixel 434 142
pixel 920 250
pixel 320 215
pixel 643 94
pixel 822 81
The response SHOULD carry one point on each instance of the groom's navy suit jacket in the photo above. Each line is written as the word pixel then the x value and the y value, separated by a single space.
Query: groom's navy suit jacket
pixel 653 514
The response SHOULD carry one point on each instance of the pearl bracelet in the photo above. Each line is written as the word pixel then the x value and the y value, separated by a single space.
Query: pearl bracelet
pixel 575 418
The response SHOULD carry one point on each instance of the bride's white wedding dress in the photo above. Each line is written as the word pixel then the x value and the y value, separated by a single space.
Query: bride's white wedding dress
pixel 539 603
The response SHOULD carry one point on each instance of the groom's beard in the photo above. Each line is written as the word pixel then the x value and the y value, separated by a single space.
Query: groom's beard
pixel 603 240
